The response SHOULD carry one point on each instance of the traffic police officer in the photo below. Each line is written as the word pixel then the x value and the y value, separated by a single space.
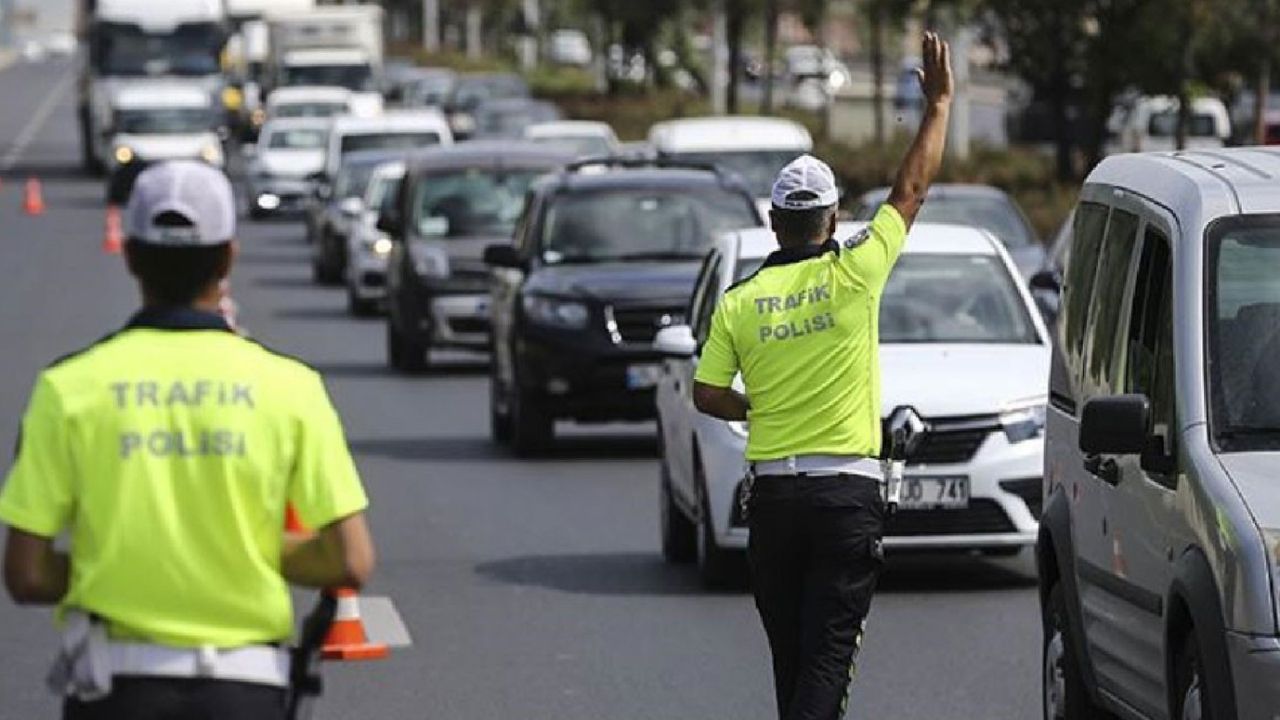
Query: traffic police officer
pixel 168 451
pixel 803 333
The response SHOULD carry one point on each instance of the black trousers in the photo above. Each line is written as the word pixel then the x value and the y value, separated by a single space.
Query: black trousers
pixel 146 698
pixel 815 557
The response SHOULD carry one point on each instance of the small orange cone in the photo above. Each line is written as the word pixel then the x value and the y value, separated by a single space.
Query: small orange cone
pixel 32 200
pixel 113 232
pixel 346 639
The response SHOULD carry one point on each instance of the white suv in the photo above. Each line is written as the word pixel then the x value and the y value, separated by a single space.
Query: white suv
pixel 962 343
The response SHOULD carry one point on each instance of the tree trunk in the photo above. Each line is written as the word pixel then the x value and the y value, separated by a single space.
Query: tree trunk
pixel 770 52
pixel 1185 73
pixel 1262 93
pixel 734 24
pixel 876 8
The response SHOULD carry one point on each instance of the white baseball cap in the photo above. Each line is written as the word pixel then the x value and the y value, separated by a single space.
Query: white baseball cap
pixel 805 184
pixel 196 191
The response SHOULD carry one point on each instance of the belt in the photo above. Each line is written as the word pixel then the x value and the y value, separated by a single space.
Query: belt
pixel 819 465
pixel 259 664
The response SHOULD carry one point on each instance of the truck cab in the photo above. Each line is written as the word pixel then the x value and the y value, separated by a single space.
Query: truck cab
pixel 335 46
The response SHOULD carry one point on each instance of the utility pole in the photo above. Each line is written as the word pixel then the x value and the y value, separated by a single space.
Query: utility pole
pixel 529 43
pixel 960 137
pixel 719 60
pixel 473 30
pixel 431 25
pixel 770 53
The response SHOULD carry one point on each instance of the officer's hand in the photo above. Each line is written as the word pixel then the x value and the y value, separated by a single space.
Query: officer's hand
pixel 935 75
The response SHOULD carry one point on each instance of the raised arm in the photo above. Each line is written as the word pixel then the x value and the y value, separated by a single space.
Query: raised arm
pixel 923 159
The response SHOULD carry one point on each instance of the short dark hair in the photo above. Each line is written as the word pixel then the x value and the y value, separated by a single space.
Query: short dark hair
pixel 797 227
pixel 176 275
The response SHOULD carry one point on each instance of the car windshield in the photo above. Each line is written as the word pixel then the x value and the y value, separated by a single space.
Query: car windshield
pixel 165 121
pixel 1244 332
pixel 475 202
pixel 953 299
pixel 351 77
pixel 190 50
pixel 388 141
pixel 383 190
pixel 661 224
pixel 1165 124
pixel 309 109
pixel 995 214
pixel 758 168
pixel 511 121
pixel 297 140
pixel 353 180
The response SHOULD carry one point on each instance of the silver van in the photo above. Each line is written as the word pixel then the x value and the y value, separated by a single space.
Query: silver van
pixel 1159 546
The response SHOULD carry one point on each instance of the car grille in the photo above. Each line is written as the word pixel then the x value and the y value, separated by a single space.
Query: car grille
pixel 1031 490
pixel 982 516
pixel 466 325
pixel 635 326
pixel 954 440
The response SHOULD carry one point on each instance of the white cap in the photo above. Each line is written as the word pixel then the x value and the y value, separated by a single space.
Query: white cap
pixel 196 191
pixel 806 183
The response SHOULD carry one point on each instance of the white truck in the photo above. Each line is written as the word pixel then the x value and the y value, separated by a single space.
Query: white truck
pixel 337 45
pixel 129 40
pixel 248 51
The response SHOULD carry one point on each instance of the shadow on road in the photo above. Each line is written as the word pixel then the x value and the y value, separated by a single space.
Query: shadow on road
pixel 285 281
pixel 954 573
pixel 582 447
pixel 635 573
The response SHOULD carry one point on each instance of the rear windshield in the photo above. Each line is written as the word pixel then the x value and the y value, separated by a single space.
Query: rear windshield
pixel 309 109
pixel 953 299
pixel 297 140
pixel 165 121
pixel 994 214
pixel 1165 124
pixel 757 168
pixel 388 141
pixel 659 224
pixel 473 202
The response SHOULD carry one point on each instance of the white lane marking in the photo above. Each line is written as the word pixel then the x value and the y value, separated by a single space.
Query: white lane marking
pixel 37 122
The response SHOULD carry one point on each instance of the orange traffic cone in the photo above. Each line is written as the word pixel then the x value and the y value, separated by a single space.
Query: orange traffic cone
pixel 32 200
pixel 346 639
pixel 113 232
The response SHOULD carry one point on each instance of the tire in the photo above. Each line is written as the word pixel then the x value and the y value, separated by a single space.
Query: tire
pixel 499 423
pixel 720 569
pixel 532 427
pixel 1063 692
pixel 679 534
pixel 1189 692
pixel 359 306
pixel 403 354
pixel 88 161
pixel 324 269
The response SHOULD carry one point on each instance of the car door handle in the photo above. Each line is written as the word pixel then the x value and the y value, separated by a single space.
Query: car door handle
pixel 1104 469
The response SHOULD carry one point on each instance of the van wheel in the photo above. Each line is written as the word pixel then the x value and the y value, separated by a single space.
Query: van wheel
pixel 499 421
pixel 1065 694
pixel 404 354
pixel 532 428
pixel 720 569
pixel 1190 691
pixel 679 538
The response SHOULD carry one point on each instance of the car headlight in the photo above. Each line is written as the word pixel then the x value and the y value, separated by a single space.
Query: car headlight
pixel 124 154
pixel 378 244
pixel 1023 419
pixel 211 154
pixel 428 261
pixel 564 314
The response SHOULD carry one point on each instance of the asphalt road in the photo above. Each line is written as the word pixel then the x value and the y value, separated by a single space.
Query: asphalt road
pixel 534 590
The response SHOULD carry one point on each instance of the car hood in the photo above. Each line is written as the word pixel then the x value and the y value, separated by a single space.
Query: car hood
pixel 948 380
pixel 291 163
pixel 1257 476
pixel 618 282
pixel 167 147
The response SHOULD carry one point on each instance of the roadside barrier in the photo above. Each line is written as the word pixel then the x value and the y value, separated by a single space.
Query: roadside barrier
pixel 32 198
pixel 113 232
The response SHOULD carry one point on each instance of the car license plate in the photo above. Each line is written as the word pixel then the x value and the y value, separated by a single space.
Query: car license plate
pixel 640 377
pixel 934 493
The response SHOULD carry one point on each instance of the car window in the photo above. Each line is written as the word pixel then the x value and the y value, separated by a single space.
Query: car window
pixel 1090 223
pixel 1149 355
pixel 1104 309
pixel 998 215
pixel 623 224
pixel 953 299
pixel 309 109
pixel 1165 124
pixel 388 141
pixel 705 305
pixel 165 121
pixel 382 194
pixel 297 140
pixel 471 202
pixel 353 180
pixel 352 77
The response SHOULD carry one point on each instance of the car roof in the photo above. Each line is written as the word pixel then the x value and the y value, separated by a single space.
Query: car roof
pixel 939 191
pixel 308 93
pixel 1199 186
pixel 569 128
pixel 407 120
pixel 375 157
pixel 729 133
pixel 924 239
pixel 494 153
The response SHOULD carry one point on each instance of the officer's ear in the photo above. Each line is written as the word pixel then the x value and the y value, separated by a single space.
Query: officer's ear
pixel 227 259
pixel 832 222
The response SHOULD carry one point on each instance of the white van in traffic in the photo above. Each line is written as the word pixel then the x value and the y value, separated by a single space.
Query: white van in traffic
pixel 1151 123
pixel 403 129
pixel 160 120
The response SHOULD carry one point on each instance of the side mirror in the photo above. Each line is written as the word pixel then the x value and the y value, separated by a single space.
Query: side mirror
pixel 390 225
pixel 1115 425
pixel 503 256
pixel 1045 280
pixel 351 207
pixel 676 341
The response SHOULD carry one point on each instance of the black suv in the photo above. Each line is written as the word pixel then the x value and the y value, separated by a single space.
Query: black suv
pixel 606 255
pixel 454 202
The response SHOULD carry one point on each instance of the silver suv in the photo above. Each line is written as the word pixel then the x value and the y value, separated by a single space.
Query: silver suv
pixel 1159 546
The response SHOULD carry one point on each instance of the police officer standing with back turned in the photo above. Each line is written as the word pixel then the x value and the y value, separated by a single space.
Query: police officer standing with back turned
pixel 168 452
pixel 803 333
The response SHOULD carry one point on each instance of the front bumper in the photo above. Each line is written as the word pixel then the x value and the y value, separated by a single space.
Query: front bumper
pixel 367 274
pixel 586 382
pixel 1004 488
pixel 1255 669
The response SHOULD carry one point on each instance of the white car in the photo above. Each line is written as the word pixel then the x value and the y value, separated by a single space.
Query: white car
pixel 399 129
pixel 368 248
pixel 1150 124
pixel 160 120
pixel 288 153
pixel 316 101
pixel 961 342
pixel 584 138
pixel 756 148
